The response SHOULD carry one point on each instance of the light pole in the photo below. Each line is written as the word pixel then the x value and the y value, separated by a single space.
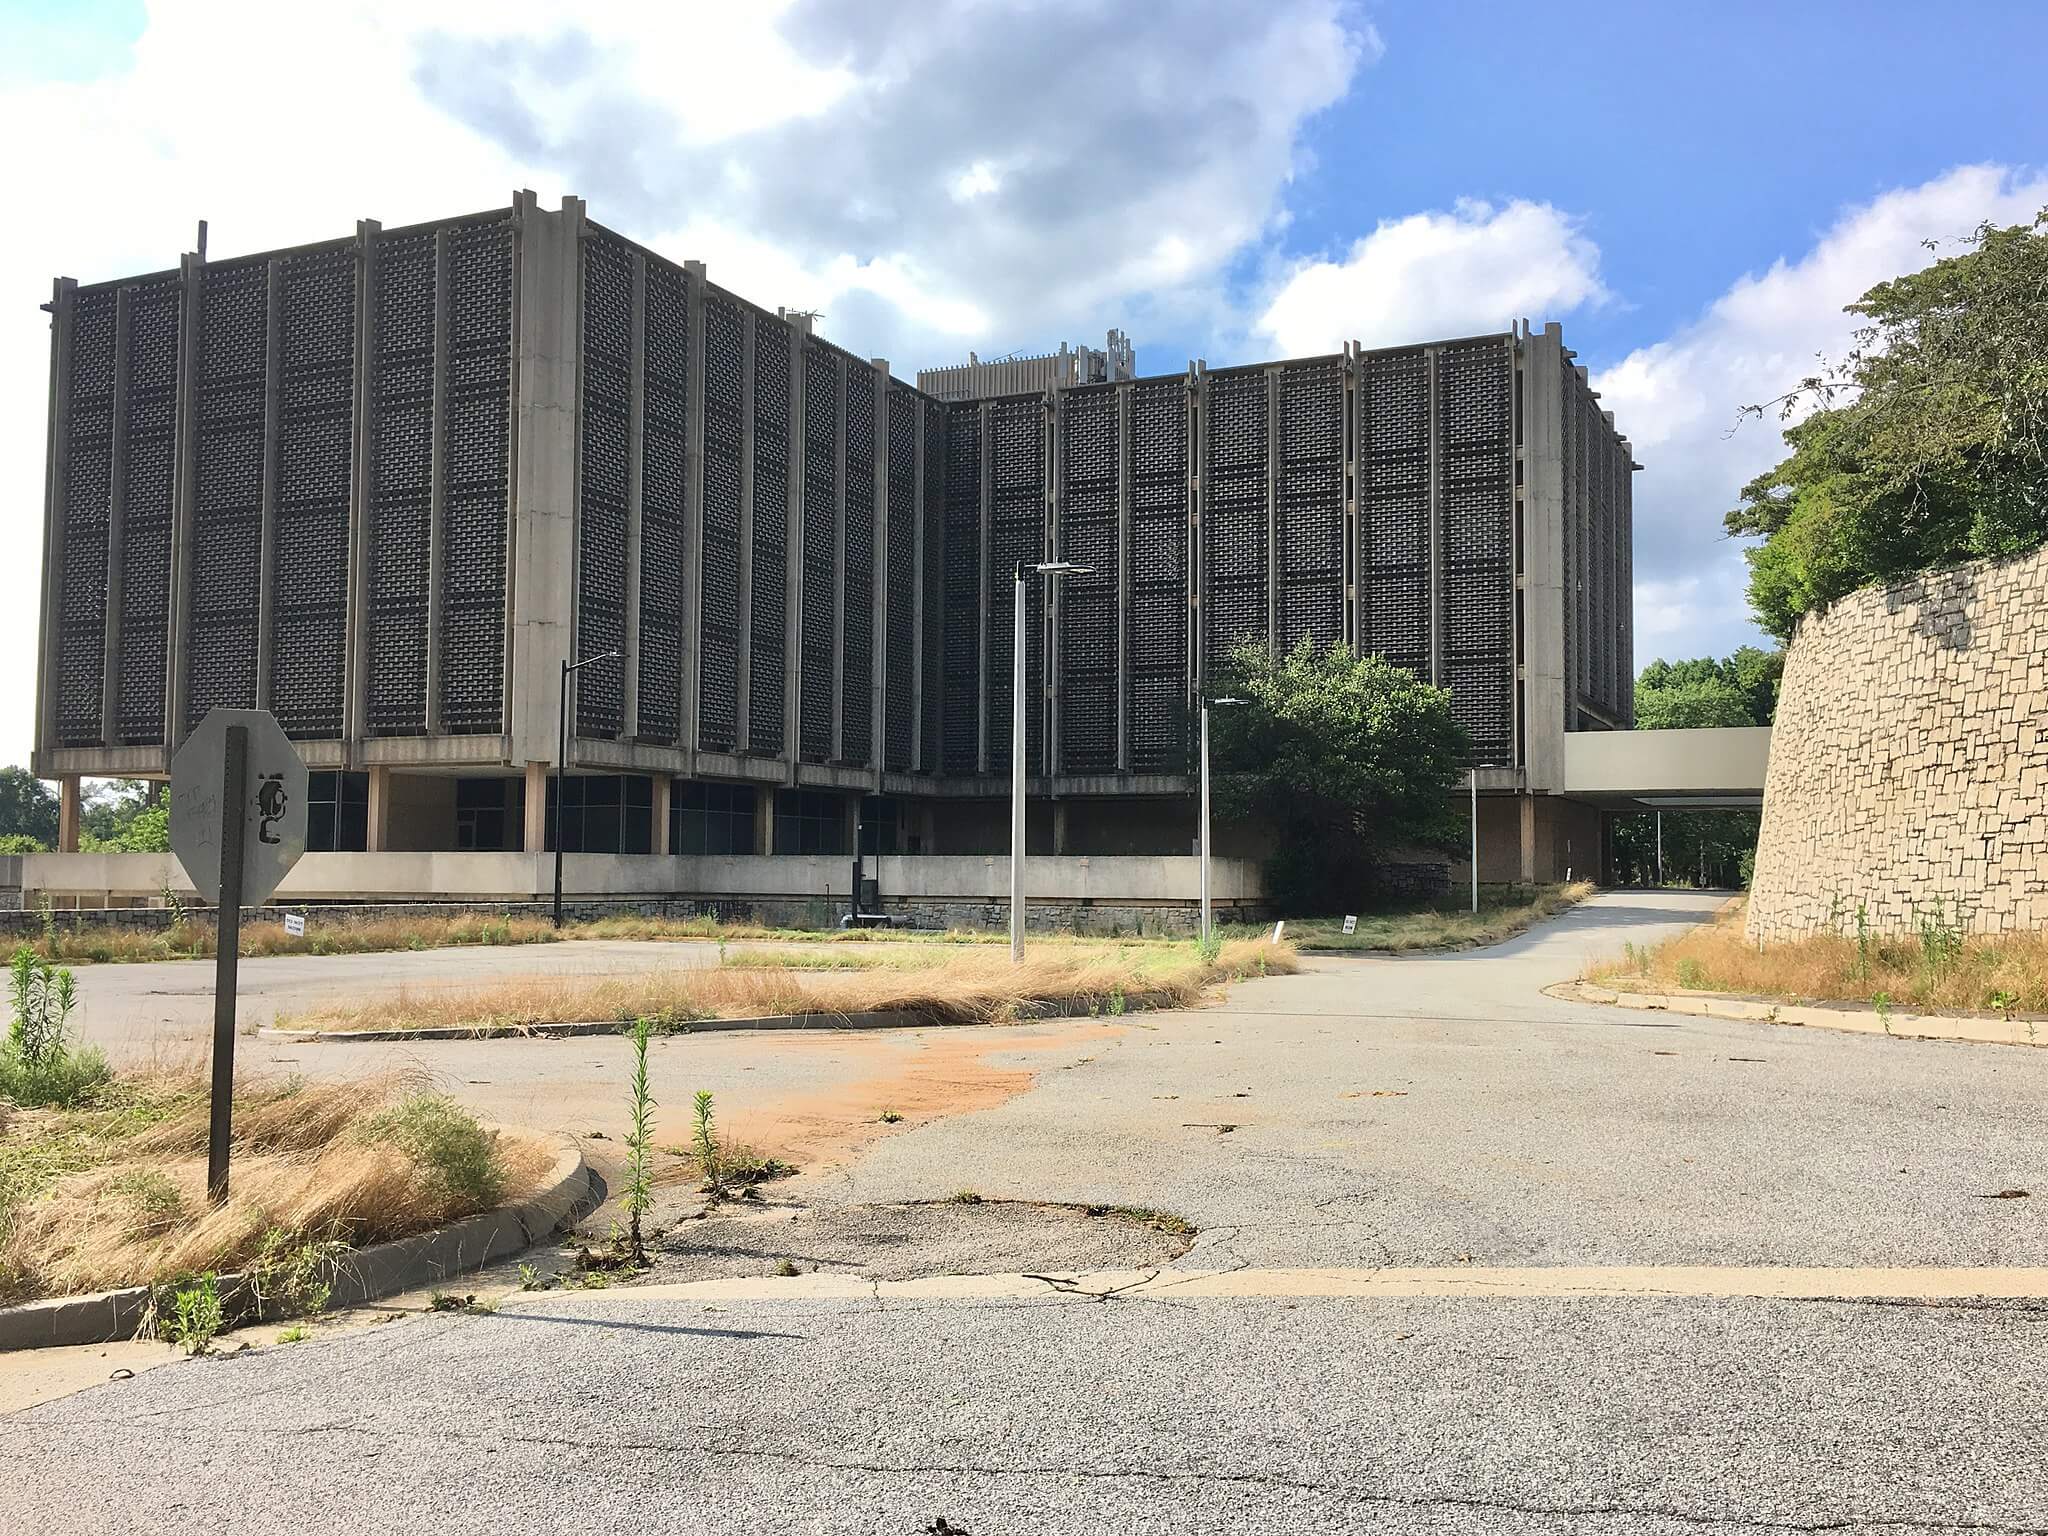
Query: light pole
pixel 1047 569
pixel 561 758
pixel 1206 705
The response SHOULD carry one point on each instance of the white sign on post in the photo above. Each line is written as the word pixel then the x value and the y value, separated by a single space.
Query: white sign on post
pixel 1278 929
pixel 295 924
pixel 1350 924
pixel 273 804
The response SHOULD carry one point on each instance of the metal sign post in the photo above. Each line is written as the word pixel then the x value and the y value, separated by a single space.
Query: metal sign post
pixel 227 951
pixel 238 825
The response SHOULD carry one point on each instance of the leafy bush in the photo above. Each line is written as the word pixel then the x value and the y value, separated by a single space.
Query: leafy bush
pixel 457 1157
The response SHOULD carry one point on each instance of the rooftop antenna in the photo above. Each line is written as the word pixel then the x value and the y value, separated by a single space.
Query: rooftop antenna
pixel 202 240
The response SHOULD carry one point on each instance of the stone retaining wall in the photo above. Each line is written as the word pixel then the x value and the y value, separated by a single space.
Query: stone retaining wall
pixel 1909 764
pixel 773 912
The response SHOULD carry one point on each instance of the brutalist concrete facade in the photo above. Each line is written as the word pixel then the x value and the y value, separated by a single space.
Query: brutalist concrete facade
pixel 384 485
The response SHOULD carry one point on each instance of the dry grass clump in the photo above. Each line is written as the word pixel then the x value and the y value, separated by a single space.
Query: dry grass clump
pixel 1935 969
pixel 116 1194
pixel 326 934
pixel 971 987
pixel 1450 924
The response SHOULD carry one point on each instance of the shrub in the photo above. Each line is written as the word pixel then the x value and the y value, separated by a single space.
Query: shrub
pixel 70 1079
pixel 456 1157
pixel 42 998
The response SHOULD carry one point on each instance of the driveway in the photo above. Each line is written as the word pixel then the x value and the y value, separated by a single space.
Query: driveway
pixel 1467 1258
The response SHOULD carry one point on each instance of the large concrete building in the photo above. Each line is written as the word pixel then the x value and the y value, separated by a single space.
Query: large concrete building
pixel 384 486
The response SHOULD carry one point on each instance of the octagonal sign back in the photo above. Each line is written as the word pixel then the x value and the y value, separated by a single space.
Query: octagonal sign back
pixel 273 808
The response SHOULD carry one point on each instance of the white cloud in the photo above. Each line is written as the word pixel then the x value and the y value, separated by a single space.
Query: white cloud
pixel 1113 160
pixel 1679 399
pixel 1474 268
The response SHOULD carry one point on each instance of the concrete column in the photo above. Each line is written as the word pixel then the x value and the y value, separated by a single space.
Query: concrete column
pixel 62 297
pixel 743 716
pixel 1527 804
pixel 1047 705
pixel 266 559
pixel 378 837
pixel 1353 629
pixel 1543 575
pixel 987 576
pixel 764 818
pixel 793 545
pixel 636 423
pixel 68 808
pixel 838 752
pixel 535 839
pixel 1198 459
pixel 917 542
pixel 1434 358
pixel 191 273
pixel 356 628
pixel 693 516
pixel 1060 810
pixel 1275 449
pixel 1123 578
pixel 437 486
pixel 664 809
pixel 544 492
pixel 117 521
pixel 878 607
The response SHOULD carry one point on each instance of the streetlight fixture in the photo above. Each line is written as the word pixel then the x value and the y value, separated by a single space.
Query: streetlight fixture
pixel 1207 704
pixel 561 759
pixel 1048 569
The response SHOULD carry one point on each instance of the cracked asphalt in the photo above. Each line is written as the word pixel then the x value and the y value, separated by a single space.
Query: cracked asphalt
pixel 1433 1111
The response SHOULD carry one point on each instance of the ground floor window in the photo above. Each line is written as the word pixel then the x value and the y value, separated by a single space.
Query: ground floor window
pixel 602 813
pixel 337 812
pixel 711 818
pixel 882 828
pixel 810 821
pixel 489 815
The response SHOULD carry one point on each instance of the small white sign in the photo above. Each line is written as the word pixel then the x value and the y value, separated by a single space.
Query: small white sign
pixel 1278 929
pixel 295 924
pixel 1350 923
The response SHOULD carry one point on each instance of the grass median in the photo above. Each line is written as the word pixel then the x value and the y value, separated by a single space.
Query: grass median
pixel 979 985
pixel 1449 923
pixel 1935 969
pixel 112 1191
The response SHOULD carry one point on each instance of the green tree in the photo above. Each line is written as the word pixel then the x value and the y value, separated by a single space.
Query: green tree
pixel 28 808
pixel 1929 444
pixel 1343 757
pixel 1688 705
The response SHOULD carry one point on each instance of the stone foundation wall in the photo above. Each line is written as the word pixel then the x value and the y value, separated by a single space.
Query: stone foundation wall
pixel 772 912
pixel 1909 761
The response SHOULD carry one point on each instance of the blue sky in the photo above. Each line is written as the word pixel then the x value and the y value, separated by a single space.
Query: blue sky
pixel 1694 192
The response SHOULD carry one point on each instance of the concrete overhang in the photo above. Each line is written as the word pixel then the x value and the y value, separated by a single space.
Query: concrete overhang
pixel 1650 770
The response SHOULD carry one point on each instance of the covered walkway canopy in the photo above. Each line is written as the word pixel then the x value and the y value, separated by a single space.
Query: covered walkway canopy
pixel 1666 770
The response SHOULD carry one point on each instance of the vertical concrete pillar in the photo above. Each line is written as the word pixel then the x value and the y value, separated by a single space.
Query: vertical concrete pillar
pixel 1047 705
pixel 437 485
pixel 1527 804
pixel 661 836
pixel 356 629
pixel 1198 556
pixel 377 838
pixel 117 520
pixel 1434 357
pixel 839 570
pixel 266 558
pixel 879 680
pixel 1123 578
pixel 68 808
pixel 535 839
pixel 1060 814
pixel 1543 583
pixel 764 818
pixel 793 545
pixel 743 715
pixel 987 576
pixel 544 492
pixel 1353 630
pixel 636 426
pixel 62 299
pixel 693 517
pixel 1276 448
pixel 191 276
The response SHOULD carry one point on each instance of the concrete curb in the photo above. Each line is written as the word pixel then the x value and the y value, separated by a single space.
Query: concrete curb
pixel 900 1018
pixel 1977 1029
pixel 422 1259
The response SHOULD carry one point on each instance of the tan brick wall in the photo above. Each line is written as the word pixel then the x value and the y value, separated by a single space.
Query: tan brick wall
pixel 1909 763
